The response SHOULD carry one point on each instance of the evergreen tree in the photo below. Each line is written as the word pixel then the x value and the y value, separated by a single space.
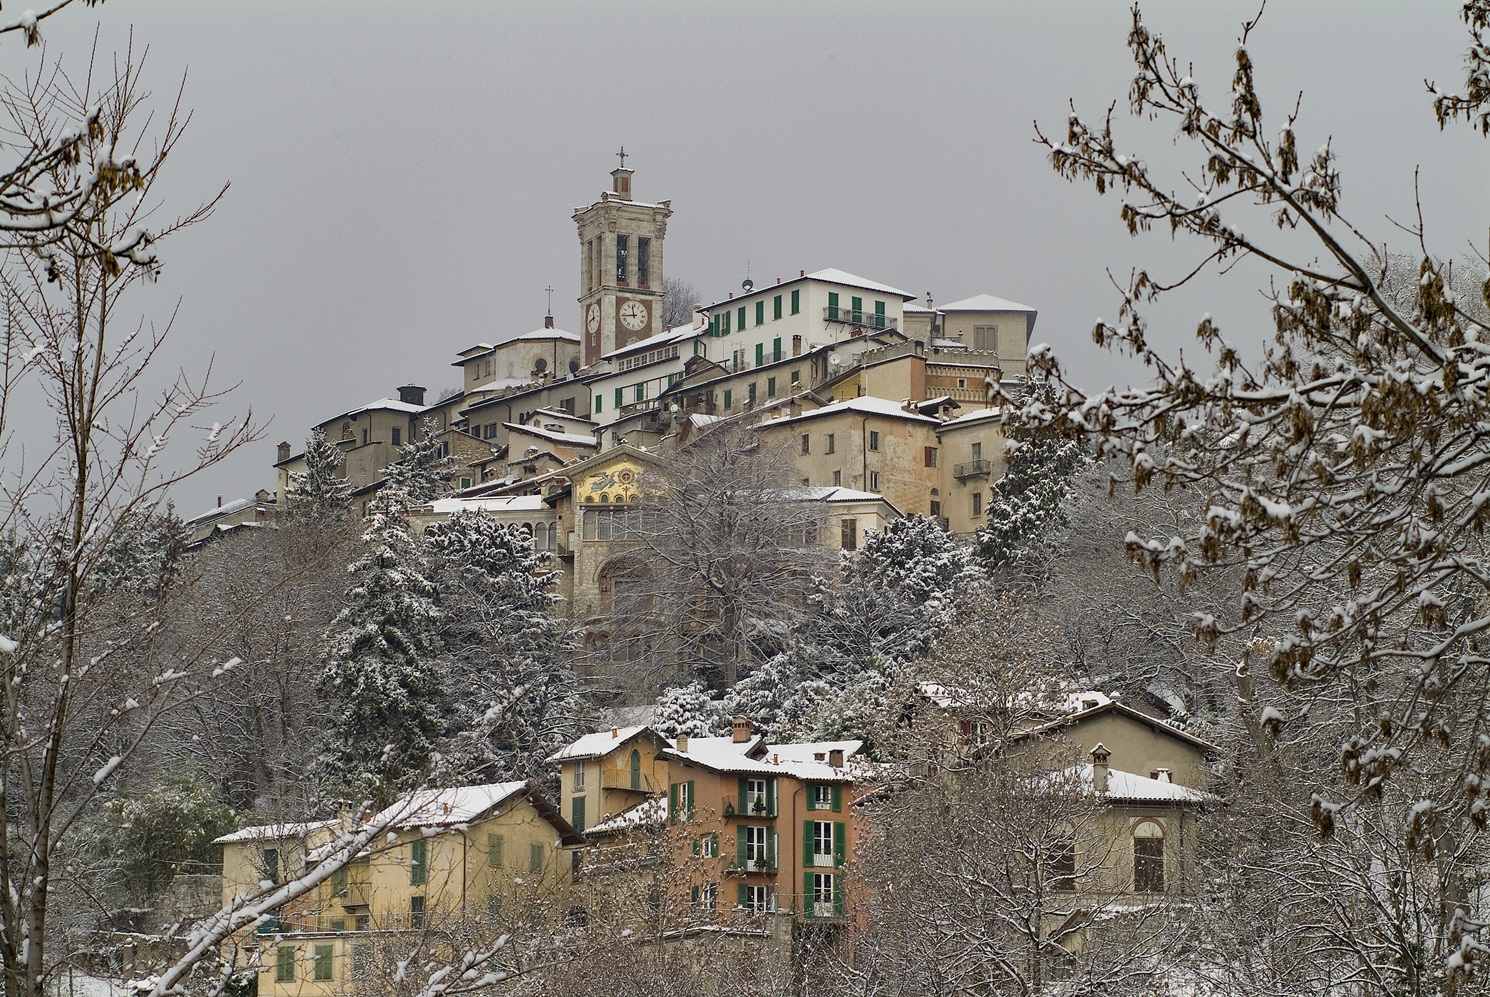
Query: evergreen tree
pixel 144 553
pixel 1028 510
pixel 423 468
pixel 689 710
pixel 320 493
pixel 517 695
pixel 384 677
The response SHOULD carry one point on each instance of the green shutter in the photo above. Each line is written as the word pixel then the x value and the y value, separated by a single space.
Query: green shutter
pixel 807 893
pixel 714 326
pixel 597 403
pixel 689 814
pixel 771 837
pixel 879 314
pixel 726 321
pixel 619 400
pixel 740 842
pixel 776 349
pixel 771 797
pixel 284 964
pixel 807 826
pixel 837 798
pixel 858 307
pixel 776 307
pixel 796 302
pixel 696 847
pixel 744 795
pixel 811 798
pixel 832 303
pixel 714 840
pixel 840 841
pixel 744 895
pixel 760 354
pixel 418 854
pixel 838 897
pixel 740 317
pixel 339 882
pixel 672 803
pixel 760 312
pixel 494 850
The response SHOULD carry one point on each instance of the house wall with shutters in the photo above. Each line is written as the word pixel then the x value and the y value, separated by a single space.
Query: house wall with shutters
pixel 610 785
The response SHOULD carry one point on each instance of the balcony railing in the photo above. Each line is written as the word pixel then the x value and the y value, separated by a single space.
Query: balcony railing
pixel 972 469
pixel 868 320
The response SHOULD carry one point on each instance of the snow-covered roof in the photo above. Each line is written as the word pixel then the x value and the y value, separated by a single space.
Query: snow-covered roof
pixel 441 807
pixel 647 813
pixel 677 333
pixel 273 832
pixel 226 509
pixel 984 303
pixel 977 415
pixel 724 754
pixel 505 384
pixel 392 404
pixel 1136 788
pixel 596 745
pixel 831 493
pixel 948 344
pixel 835 276
pixel 809 751
pixel 504 503
pixel 867 404
pixel 913 308
pixel 543 335
pixel 573 439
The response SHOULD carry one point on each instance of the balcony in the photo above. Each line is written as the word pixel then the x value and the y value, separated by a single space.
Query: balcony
pixel 866 321
pixel 972 469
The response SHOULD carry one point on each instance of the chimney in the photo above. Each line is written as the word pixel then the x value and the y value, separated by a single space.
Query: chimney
pixel 1164 775
pixel 801 273
pixel 411 394
pixel 742 730
pixel 682 743
pixel 284 450
pixel 548 321
pixel 835 757
pixel 615 733
pixel 1100 755
pixel 219 502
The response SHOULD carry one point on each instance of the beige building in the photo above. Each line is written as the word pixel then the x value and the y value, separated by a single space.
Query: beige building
pixel 474 855
pixel 620 268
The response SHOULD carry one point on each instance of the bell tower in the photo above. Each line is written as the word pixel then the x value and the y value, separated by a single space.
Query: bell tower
pixel 620 268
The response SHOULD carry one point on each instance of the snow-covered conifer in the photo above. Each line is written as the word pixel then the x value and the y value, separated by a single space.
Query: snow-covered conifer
pixel 689 710
pixel 423 468
pixel 320 492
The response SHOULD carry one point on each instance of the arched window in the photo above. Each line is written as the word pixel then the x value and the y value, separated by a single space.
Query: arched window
pixel 636 769
pixel 1148 857
pixel 553 536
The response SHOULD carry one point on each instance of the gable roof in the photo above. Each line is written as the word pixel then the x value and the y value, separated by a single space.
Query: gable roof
pixel 1129 786
pixel 984 303
pixel 1084 713
pixel 433 808
pixel 602 743
pixel 273 832
pixel 865 404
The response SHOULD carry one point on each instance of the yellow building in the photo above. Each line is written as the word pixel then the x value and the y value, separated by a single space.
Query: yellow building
pixel 474 856
pixel 606 774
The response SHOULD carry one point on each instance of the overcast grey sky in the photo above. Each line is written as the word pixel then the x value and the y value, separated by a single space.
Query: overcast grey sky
pixel 403 173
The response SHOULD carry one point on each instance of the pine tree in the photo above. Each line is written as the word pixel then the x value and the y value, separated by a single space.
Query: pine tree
pixel 518 696
pixel 384 677
pixel 423 468
pixel 320 493
pixel 690 711
pixel 1027 512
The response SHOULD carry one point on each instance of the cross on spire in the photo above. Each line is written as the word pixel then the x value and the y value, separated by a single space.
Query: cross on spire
pixel 550 290
pixel 622 155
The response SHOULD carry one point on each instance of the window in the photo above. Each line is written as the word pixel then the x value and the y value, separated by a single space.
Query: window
pixel 1148 857
pixel 704 897
pixel 821 853
pixel 751 398
pixel 837 478
pixel 579 774
pixel 850 530
pixel 796 378
pixel 832 304
pixel 986 337
pixel 361 960
pixel 398 437
pixel 756 899
pixel 620 400
pixel 936 508
pixel 823 897
pixel 726 322
pixel 623 246
pixel 770 387
pixel 418 862
pixel 535 857
pixel 879 314
pixel 825 797
pixel 755 845
pixel 416 912
pixel 643 261
pixel 776 348
pixel 641 392
pixel 339 882
pixel 284 964
pixel 1061 863
pixel 806 443
pixel 323 962
pixel 760 312
pixel 489 431
pixel 270 858
pixel 494 845
pixel 776 307
pixel 930 456
pixel 728 396
pixel 757 797
pixel 874 481
pixel 874 439
pixel 340 924
pixel 636 769
pixel 740 317
pixel 796 302
pixel 597 404
pixel 465 482
pixel 858 309
pixel 831 444
pixel 760 354
pixel 577 813
pixel 977 503
pixel 714 326
pixel 977 451
pixel 683 797
pixel 707 846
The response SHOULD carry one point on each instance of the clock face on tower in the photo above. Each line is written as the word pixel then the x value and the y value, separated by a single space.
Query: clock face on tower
pixel 592 318
pixel 634 315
